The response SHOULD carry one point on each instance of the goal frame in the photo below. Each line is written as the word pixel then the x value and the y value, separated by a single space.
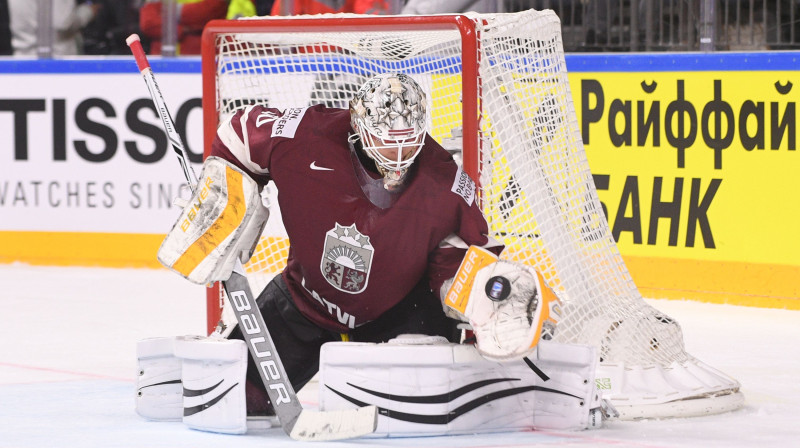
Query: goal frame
pixel 470 94
pixel 520 142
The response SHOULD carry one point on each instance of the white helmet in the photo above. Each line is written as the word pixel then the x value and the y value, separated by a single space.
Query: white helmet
pixel 389 111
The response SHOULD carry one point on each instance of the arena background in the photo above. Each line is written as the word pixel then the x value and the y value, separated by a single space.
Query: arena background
pixel 693 155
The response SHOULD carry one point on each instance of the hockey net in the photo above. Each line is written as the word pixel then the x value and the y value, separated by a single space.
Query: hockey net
pixel 499 100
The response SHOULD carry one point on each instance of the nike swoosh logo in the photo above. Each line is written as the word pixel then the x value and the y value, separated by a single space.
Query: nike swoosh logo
pixel 314 166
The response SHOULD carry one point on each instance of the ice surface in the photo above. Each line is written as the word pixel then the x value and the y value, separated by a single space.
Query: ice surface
pixel 68 341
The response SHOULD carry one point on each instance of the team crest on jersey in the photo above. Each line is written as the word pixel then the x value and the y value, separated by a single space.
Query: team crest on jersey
pixel 346 259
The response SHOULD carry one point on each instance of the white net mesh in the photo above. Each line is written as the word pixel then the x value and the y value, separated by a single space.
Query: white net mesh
pixel 540 199
pixel 536 188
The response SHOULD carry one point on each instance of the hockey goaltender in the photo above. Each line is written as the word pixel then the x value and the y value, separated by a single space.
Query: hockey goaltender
pixel 389 260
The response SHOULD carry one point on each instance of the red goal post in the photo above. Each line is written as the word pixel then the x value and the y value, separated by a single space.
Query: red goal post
pixel 499 100
pixel 340 23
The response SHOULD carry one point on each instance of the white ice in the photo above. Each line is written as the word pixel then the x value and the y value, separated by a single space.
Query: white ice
pixel 67 363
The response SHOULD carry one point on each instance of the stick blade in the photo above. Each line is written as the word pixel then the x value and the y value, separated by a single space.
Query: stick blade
pixel 335 425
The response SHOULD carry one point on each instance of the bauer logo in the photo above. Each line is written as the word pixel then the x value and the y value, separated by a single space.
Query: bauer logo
pixel 287 124
pixel 260 345
pixel 191 213
pixel 464 186
pixel 460 291
pixel 458 295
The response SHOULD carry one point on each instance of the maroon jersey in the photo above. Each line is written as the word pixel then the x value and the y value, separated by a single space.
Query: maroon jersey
pixel 351 260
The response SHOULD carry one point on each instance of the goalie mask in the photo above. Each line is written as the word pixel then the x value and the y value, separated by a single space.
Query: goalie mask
pixel 388 114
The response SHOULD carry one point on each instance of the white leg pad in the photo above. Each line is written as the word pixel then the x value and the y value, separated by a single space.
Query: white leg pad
pixel 571 370
pixel 438 388
pixel 159 394
pixel 213 373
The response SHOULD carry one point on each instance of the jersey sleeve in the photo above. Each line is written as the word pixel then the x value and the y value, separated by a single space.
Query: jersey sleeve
pixel 472 230
pixel 246 140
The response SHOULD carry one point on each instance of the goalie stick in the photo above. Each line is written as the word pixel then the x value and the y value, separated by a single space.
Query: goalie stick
pixel 298 423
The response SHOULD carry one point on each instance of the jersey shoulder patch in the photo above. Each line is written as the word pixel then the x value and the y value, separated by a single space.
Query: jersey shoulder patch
pixel 286 125
pixel 464 186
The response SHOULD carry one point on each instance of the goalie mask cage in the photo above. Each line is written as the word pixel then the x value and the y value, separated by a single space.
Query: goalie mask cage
pixel 499 99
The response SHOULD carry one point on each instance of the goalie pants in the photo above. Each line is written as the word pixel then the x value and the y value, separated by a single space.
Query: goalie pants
pixel 298 340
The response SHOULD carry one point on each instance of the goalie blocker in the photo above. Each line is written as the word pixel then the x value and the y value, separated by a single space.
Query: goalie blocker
pixel 222 221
